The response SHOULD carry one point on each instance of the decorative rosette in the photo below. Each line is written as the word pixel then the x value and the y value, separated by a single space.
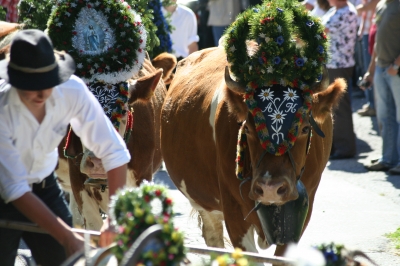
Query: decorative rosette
pixel 278 73
pixel 106 38
pixel 132 213
pixel 236 258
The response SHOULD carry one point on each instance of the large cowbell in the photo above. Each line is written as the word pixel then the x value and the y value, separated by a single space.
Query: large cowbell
pixel 279 105
pixel 284 224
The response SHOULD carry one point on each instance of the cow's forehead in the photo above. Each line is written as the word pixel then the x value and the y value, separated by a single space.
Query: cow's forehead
pixel 278 112
pixel 113 98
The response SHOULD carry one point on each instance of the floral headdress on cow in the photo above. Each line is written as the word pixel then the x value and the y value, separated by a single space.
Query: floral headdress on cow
pixel 107 41
pixel 279 75
pixel 132 211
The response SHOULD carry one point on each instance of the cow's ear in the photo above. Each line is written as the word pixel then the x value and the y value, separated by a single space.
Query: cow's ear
pixel 143 88
pixel 326 100
pixel 167 63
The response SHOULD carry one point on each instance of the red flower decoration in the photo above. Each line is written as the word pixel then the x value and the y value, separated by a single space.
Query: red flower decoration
pixel 158 193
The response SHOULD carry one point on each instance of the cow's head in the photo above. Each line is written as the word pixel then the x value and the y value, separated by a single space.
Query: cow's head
pixel 278 151
pixel 140 89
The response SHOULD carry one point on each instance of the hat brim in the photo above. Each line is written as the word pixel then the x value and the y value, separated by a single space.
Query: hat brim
pixel 38 81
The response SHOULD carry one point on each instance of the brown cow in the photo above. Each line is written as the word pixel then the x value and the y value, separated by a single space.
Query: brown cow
pixel 201 117
pixel 147 93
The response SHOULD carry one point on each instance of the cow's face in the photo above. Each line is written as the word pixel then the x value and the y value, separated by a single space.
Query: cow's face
pixel 90 164
pixel 278 148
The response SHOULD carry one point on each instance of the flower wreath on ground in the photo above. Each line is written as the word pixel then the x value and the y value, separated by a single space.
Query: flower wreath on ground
pixel 279 75
pixel 132 213
pixel 107 41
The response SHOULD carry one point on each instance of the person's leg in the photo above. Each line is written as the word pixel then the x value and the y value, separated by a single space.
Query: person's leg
pixel 394 82
pixel 369 92
pixel 386 115
pixel 344 139
pixel 9 239
pixel 40 244
pixel 217 33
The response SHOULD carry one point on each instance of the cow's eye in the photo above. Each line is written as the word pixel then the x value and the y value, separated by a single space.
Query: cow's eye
pixel 306 130
pixel 123 112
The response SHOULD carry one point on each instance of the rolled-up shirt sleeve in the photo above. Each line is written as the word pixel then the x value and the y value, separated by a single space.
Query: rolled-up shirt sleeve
pixel 13 183
pixel 97 132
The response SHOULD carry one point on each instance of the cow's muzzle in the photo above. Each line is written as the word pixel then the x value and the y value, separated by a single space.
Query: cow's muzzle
pixel 92 166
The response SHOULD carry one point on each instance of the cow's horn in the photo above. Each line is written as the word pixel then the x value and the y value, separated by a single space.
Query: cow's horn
pixel 233 85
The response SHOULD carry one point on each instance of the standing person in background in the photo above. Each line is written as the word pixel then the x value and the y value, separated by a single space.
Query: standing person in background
pixel 222 14
pixel 317 8
pixel 363 33
pixel 184 37
pixel 38 102
pixel 12 9
pixel 341 25
pixel 383 72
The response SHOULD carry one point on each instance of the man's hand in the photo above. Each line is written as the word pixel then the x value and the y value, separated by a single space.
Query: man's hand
pixel 108 234
pixel 73 244
pixel 368 80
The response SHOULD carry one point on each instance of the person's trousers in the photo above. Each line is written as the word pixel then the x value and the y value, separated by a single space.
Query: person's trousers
pixel 369 92
pixel 45 249
pixel 387 96
pixel 344 138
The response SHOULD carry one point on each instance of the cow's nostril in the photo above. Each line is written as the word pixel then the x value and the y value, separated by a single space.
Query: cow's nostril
pixel 282 190
pixel 89 163
pixel 258 191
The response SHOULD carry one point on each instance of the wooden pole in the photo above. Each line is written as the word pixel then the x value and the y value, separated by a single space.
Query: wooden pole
pixel 281 261
pixel 30 227
pixel 276 261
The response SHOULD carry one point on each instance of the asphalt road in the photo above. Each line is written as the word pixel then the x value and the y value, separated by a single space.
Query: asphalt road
pixel 353 207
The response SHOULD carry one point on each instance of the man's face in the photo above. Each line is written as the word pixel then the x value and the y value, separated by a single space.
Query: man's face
pixel 34 98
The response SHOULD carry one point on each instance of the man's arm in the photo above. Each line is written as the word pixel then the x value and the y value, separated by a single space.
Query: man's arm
pixel 193 47
pixel 36 211
pixel 116 179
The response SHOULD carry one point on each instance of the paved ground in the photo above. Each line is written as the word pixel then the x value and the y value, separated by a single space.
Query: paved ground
pixel 352 206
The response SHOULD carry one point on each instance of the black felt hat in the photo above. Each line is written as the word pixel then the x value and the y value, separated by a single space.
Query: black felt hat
pixel 33 64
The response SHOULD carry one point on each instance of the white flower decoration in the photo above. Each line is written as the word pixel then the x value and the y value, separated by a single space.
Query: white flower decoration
pixel 266 94
pixel 67 13
pixel 318 36
pixel 314 63
pixel 232 48
pixel 267 39
pixel 80 65
pixel 59 24
pixel 270 69
pixel 262 35
pixel 277 117
pixel 290 95
pixel 279 28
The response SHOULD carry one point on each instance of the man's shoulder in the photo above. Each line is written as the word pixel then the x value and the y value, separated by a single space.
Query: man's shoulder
pixel 185 10
pixel 73 85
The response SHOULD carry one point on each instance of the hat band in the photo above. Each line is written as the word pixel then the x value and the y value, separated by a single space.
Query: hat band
pixel 40 69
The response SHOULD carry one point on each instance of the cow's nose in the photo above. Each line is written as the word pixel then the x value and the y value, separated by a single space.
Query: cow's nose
pixel 273 191
pixel 278 188
pixel 94 162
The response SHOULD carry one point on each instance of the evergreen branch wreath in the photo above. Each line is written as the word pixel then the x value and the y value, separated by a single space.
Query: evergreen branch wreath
pixel 131 212
pixel 275 25
pixel 163 30
pixel 147 15
pixel 123 52
pixel 35 13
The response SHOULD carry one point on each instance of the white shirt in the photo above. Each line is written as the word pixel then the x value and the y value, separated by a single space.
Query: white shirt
pixel 28 150
pixel 185 23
